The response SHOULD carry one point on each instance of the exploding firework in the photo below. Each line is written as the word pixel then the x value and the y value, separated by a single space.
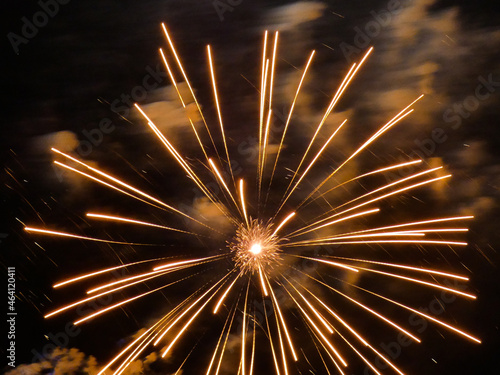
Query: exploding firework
pixel 264 252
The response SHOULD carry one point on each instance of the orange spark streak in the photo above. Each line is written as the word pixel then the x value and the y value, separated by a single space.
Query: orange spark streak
pixel 283 223
pixel 244 332
pixel 388 321
pixel 417 269
pixel 102 311
pixel 243 206
pixel 105 184
pixel 179 64
pixel 264 147
pixel 212 361
pixel 186 326
pixel 221 300
pixel 300 232
pixel 335 264
pixel 271 342
pixel 280 315
pixel 187 310
pixel 316 328
pixel 216 96
pixel 85 276
pixel 172 78
pixel 198 260
pixel 262 89
pixel 386 196
pixel 273 68
pixel 345 83
pixel 262 282
pixel 69 235
pixel 412 223
pixel 132 221
pixel 338 238
pixel 454 291
pixel 122 184
pixel 323 321
pixel 290 115
pixel 314 161
pixel 435 242
pixel 460 332
pixel 381 170
pixel 221 179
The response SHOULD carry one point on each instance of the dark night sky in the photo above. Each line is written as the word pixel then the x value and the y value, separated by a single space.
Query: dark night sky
pixel 62 83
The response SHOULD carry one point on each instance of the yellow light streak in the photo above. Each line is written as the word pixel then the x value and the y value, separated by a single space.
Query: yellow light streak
pixel 216 97
pixel 285 220
pixel 417 269
pixel 133 221
pixel 70 235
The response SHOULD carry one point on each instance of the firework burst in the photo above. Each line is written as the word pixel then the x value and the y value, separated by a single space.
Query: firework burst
pixel 262 250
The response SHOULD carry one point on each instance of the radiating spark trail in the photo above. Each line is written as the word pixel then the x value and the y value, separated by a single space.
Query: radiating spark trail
pixel 106 184
pixel 433 242
pixel 285 220
pixel 262 90
pixel 323 321
pixel 244 332
pixel 387 186
pixel 371 311
pixel 127 348
pixel 335 264
pixel 121 183
pixel 318 331
pixel 253 347
pixel 226 324
pixel 133 221
pixel 179 64
pixel 411 268
pixel 314 160
pixel 345 83
pixel 400 116
pixel 182 162
pixel 102 311
pixel 223 297
pixel 69 235
pixel 287 123
pixel 174 83
pixel 264 150
pixel 262 282
pixel 301 231
pixel 273 68
pixel 158 271
pixel 221 179
pixel 186 326
pixel 429 317
pixel 381 170
pixel 418 281
pixel 216 98
pixel 392 193
pixel 271 342
pixel 243 206
pixel 190 261
pixel 282 319
pixel 171 325
pixel 95 273
pixel 432 221
pixel 338 238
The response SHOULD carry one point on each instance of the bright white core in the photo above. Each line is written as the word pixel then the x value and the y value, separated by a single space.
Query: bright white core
pixel 256 249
